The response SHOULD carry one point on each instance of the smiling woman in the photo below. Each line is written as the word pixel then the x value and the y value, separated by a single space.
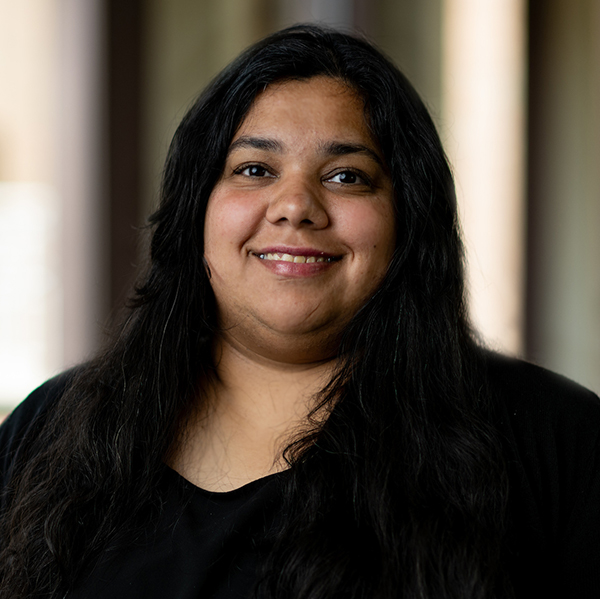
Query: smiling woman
pixel 295 405
pixel 299 229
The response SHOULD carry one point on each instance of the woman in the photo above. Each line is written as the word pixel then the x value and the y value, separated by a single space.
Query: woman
pixel 296 405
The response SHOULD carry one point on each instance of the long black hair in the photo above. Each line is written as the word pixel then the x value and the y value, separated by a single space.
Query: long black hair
pixel 401 492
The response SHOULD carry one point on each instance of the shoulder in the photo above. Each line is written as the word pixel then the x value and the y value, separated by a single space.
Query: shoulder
pixel 550 430
pixel 531 396
pixel 550 424
pixel 28 415
pixel 36 403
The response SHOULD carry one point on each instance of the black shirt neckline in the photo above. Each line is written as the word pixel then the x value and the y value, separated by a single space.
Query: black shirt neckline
pixel 246 490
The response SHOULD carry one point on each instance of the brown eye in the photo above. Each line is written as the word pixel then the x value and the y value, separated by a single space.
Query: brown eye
pixel 253 170
pixel 349 178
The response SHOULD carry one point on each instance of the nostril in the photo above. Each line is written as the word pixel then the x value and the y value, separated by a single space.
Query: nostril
pixel 298 208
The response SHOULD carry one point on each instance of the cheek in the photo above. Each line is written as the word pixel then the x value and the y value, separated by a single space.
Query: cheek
pixel 370 231
pixel 230 222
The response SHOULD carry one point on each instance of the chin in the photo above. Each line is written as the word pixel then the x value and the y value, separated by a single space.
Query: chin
pixel 306 324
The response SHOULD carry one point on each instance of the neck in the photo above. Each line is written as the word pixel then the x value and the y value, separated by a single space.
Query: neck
pixel 247 418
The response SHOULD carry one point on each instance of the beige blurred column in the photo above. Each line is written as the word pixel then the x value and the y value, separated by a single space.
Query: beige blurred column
pixel 483 58
pixel 51 224
pixel 80 175
pixel 30 286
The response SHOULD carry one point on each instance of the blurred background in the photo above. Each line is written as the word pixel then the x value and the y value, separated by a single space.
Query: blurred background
pixel 92 90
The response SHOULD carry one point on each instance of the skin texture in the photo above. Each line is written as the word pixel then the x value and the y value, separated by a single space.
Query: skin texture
pixel 304 173
pixel 304 177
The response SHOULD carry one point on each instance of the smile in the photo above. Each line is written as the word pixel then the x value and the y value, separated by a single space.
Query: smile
pixel 295 259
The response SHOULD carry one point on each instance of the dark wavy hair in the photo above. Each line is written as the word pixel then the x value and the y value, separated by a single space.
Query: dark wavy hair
pixel 401 492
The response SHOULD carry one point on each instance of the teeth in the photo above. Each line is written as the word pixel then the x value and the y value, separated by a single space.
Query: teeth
pixel 294 259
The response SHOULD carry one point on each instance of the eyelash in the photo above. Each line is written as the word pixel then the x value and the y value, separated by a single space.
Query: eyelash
pixel 244 167
pixel 362 178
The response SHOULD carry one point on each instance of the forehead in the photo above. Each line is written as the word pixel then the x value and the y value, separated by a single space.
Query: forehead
pixel 318 106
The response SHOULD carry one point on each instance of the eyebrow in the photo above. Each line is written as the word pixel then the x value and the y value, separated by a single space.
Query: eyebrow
pixel 342 149
pixel 257 143
pixel 332 148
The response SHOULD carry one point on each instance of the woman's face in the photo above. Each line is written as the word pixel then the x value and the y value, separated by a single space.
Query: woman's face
pixel 300 227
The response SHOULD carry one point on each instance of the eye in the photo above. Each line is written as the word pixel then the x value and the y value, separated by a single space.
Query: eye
pixel 348 177
pixel 253 170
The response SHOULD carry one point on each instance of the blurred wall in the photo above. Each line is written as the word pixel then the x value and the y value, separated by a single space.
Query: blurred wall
pixel 475 96
pixel 552 230
pixel 122 74
pixel 185 44
pixel 30 298
pixel 411 33
pixel 563 315
pixel 52 227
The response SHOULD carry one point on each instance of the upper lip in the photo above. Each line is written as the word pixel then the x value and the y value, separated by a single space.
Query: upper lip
pixel 294 251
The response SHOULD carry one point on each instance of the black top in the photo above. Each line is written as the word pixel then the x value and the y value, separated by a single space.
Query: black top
pixel 206 544
pixel 209 544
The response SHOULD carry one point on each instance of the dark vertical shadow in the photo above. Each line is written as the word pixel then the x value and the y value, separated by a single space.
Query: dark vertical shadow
pixel 124 103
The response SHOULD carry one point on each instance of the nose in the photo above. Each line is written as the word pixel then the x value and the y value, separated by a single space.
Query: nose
pixel 298 203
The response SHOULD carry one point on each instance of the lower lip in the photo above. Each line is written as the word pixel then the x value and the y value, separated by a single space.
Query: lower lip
pixel 297 269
